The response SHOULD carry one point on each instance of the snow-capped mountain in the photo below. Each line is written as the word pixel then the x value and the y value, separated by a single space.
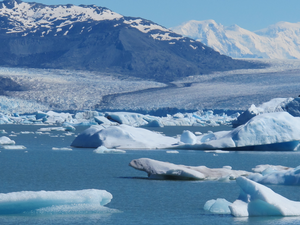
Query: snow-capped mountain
pixel 278 41
pixel 96 38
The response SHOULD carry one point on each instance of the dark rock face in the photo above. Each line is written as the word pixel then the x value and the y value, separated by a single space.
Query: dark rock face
pixel 124 45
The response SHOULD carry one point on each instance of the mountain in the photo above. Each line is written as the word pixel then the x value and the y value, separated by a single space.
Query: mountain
pixel 278 41
pixel 97 39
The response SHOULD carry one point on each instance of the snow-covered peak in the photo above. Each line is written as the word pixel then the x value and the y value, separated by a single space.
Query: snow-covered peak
pixel 34 18
pixel 23 16
pixel 280 28
pixel 196 29
pixel 278 41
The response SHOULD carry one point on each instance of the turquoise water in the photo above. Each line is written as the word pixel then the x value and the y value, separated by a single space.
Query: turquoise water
pixel 136 199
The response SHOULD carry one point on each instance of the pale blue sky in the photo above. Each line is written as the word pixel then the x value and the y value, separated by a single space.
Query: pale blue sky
pixel 251 15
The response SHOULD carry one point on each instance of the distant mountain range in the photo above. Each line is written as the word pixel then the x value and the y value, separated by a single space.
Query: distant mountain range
pixel 278 41
pixel 96 38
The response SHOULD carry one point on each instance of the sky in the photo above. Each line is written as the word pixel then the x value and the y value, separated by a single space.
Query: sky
pixel 251 15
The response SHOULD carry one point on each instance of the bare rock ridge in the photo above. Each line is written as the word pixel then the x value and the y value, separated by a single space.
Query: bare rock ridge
pixel 97 39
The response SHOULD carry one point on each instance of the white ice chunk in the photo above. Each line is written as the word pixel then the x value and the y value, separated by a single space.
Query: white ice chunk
pixel 27 201
pixel 258 200
pixel 219 206
pixel 123 137
pixel 6 141
pixel 278 175
pixel 13 147
pixel 269 131
pixel 49 129
pixel 188 137
pixel 172 152
pixel 104 150
pixel 165 170
pixel 62 149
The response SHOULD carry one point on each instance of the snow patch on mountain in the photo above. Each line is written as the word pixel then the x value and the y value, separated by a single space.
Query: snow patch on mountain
pixel 278 41
pixel 29 16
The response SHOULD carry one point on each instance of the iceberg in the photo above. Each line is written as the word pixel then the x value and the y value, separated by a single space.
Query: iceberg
pixel 289 105
pixel 277 131
pixel 165 170
pixel 258 200
pixel 122 137
pixel 30 201
pixel 276 175
pixel 104 150
pixel 6 141
pixel 218 206
pixel 62 149
pixel 13 147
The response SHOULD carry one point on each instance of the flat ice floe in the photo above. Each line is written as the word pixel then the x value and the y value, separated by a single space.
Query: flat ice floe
pixel 90 200
pixel 165 170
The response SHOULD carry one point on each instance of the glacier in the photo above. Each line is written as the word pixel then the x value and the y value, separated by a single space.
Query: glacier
pixel 75 90
pixel 89 200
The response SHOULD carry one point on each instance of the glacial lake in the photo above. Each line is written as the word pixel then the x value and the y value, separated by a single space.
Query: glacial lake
pixel 136 200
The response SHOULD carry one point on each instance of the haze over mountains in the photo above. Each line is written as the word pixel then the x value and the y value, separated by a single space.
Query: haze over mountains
pixel 95 38
pixel 278 41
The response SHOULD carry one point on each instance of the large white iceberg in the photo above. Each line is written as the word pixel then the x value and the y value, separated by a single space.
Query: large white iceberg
pixel 28 201
pixel 123 137
pixel 258 200
pixel 269 131
pixel 165 170
pixel 290 105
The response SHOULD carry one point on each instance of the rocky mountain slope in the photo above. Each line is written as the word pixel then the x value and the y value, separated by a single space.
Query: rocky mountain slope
pixel 278 41
pixel 97 39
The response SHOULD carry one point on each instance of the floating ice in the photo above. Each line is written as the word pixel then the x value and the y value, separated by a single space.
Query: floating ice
pixel 258 200
pixel 104 150
pixel 62 149
pixel 218 206
pixel 274 105
pixel 276 175
pixel 172 152
pixel 13 147
pixel 278 131
pixel 123 137
pixel 28 201
pixel 164 170
pixel 188 137
pixel 88 118
pixel 6 141
pixel 49 129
